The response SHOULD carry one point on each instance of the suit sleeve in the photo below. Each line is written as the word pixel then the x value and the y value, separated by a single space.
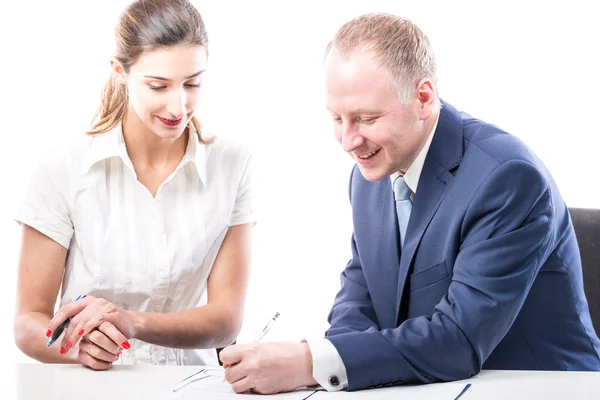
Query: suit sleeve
pixel 352 309
pixel 506 236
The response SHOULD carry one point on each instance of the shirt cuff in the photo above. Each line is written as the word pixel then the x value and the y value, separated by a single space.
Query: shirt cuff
pixel 328 368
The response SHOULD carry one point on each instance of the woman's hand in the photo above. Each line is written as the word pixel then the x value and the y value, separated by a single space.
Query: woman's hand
pixel 97 350
pixel 90 313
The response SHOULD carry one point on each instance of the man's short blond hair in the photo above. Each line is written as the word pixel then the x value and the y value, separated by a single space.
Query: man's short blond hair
pixel 399 45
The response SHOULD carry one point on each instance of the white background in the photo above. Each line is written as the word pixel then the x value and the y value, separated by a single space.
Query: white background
pixel 529 67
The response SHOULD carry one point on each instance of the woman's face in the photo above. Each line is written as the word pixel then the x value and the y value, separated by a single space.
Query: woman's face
pixel 164 88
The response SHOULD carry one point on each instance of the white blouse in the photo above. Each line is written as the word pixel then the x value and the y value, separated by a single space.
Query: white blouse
pixel 140 252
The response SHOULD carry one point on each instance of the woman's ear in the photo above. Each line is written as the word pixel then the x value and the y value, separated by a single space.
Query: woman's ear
pixel 118 71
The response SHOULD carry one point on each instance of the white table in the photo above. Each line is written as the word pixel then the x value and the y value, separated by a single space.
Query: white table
pixel 74 382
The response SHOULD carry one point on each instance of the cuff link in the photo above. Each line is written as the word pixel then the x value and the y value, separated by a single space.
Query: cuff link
pixel 334 381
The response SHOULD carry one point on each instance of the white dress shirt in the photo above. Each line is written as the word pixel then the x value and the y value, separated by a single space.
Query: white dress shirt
pixel 328 367
pixel 140 252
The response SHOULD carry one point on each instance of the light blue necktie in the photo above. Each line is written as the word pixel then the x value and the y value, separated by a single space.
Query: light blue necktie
pixel 403 205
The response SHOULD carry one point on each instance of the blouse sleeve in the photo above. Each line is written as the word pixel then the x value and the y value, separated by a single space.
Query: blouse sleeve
pixel 243 209
pixel 45 206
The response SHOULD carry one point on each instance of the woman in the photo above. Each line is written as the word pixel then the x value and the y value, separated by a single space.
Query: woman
pixel 145 216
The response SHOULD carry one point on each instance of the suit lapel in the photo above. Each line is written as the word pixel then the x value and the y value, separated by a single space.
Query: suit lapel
pixel 426 203
pixel 444 156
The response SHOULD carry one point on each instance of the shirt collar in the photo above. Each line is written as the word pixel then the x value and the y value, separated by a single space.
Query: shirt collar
pixel 104 146
pixel 195 153
pixel 112 144
pixel 413 173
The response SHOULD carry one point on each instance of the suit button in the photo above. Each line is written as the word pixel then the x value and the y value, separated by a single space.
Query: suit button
pixel 333 380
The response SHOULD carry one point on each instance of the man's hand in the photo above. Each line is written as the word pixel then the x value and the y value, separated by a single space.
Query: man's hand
pixel 268 368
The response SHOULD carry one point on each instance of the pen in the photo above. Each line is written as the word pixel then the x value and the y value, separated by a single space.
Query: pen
pixel 260 335
pixel 463 391
pixel 266 328
pixel 62 326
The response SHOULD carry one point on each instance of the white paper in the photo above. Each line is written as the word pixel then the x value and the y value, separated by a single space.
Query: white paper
pixel 208 383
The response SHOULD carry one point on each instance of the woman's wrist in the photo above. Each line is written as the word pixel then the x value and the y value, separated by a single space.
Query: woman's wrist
pixel 139 323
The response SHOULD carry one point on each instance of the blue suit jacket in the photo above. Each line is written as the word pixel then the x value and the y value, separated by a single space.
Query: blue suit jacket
pixel 489 276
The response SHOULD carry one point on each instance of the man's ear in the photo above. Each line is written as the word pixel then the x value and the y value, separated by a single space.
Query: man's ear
pixel 426 97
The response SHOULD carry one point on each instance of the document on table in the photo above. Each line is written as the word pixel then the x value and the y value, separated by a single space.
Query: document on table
pixel 208 383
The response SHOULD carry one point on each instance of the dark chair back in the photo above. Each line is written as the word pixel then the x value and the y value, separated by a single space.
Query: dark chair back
pixel 586 222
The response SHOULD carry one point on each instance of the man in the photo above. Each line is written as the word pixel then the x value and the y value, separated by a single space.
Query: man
pixel 465 259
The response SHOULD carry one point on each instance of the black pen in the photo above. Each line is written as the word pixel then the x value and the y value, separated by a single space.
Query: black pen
pixel 61 327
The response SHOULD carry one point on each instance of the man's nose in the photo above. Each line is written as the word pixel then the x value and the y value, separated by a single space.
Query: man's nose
pixel 351 139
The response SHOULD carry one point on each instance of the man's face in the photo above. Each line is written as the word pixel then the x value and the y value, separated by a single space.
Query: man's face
pixel 381 134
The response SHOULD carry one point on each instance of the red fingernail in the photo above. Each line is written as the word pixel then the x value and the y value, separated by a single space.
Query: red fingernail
pixel 126 345
pixel 68 345
pixel 63 350
pixel 81 332
pixel 49 333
